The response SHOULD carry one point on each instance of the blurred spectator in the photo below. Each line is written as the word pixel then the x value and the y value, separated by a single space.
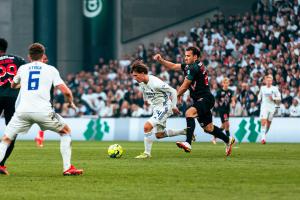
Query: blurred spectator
pixel 244 47
pixel 136 111
pixel 284 110
pixel 295 109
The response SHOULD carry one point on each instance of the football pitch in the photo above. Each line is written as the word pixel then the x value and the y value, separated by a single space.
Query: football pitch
pixel 254 171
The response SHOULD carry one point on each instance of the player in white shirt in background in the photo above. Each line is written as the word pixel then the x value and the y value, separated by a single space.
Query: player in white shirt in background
pixel 163 100
pixel 270 97
pixel 33 105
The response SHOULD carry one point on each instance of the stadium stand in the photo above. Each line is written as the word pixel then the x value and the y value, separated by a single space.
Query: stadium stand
pixel 243 47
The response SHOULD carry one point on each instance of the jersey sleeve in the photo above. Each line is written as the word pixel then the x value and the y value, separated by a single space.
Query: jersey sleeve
pixel 191 72
pixel 17 77
pixel 57 79
pixel 182 65
pixel 276 96
pixel 21 61
pixel 164 87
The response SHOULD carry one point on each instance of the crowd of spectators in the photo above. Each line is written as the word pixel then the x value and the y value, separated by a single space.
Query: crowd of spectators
pixel 243 47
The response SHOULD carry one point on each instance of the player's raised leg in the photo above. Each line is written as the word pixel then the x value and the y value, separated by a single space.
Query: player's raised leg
pixel 162 132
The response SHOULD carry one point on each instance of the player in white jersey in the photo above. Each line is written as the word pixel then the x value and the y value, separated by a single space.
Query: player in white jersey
pixel 270 97
pixel 162 98
pixel 33 105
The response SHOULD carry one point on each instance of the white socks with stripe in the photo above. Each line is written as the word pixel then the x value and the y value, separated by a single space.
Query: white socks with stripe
pixel 65 150
pixel 148 141
pixel 171 133
pixel 263 132
pixel 3 148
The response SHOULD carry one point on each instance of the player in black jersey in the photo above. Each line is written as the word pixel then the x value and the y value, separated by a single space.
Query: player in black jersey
pixel 196 80
pixel 224 98
pixel 9 65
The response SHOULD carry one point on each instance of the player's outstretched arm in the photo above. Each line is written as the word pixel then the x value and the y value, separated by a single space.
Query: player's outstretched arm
pixel 164 87
pixel 183 88
pixel 68 94
pixel 169 65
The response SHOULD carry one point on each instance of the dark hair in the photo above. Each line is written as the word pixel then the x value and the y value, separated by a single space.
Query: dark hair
pixel 36 51
pixel 3 44
pixel 139 67
pixel 195 51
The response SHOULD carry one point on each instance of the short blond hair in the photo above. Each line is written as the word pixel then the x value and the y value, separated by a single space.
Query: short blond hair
pixel 269 76
pixel 225 80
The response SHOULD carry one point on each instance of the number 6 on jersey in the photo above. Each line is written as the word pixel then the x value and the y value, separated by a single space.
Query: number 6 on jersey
pixel 33 80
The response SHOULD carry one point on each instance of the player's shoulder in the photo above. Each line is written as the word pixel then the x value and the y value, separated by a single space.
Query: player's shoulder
pixel 184 66
pixel 154 79
pixel 196 65
pixel 49 67
pixel 274 87
pixel 14 56
pixel 263 87
pixel 17 59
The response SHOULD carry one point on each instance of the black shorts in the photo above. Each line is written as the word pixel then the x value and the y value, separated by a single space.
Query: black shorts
pixel 224 116
pixel 7 104
pixel 204 106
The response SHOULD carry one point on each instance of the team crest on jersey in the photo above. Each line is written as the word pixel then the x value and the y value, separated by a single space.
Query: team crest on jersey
pixel 186 67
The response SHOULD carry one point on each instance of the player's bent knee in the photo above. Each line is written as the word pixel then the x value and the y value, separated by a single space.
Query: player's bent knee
pixel 160 135
pixel 209 128
pixel 6 139
pixel 148 127
pixel 263 122
pixel 66 130
pixel 191 112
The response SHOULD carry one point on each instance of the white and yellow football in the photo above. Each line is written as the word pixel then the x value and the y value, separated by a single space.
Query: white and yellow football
pixel 115 151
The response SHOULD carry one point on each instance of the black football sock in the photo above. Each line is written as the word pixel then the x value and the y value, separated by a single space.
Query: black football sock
pixel 227 133
pixel 190 124
pixel 217 132
pixel 8 152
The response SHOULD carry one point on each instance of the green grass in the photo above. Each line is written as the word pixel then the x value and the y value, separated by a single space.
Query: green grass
pixel 253 171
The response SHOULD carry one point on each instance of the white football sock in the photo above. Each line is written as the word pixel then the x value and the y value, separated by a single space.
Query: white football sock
pixel 148 141
pixel 65 150
pixel 171 133
pixel 263 132
pixel 3 148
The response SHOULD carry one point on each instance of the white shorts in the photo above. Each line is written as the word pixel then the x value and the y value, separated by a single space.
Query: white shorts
pixel 22 122
pixel 159 118
pixel 267 114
